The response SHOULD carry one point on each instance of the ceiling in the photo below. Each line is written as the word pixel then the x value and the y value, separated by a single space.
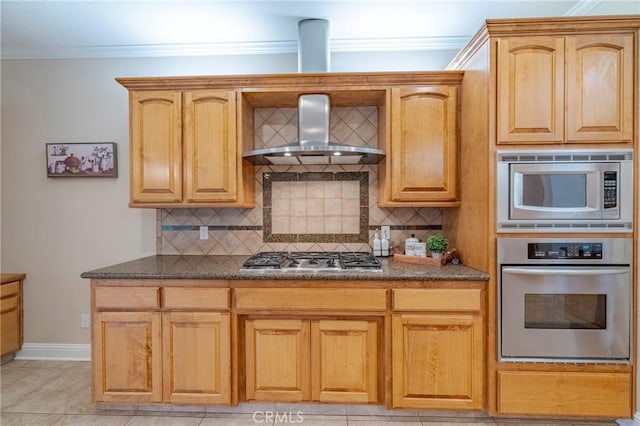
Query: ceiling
pixel 124 28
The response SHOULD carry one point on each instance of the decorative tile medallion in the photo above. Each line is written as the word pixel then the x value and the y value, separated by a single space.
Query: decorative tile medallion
pixel 316 207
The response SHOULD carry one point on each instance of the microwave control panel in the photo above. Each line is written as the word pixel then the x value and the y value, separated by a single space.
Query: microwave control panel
pixel 564 250
pixel 610 183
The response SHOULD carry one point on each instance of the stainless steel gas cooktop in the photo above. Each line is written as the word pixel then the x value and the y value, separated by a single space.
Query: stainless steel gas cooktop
pixel 331 261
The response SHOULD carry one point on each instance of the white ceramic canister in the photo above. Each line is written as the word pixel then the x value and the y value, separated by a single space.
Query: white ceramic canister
pixel 410 245
pixel 420 249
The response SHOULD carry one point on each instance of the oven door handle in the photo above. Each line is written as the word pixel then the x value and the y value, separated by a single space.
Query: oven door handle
pixel 566 271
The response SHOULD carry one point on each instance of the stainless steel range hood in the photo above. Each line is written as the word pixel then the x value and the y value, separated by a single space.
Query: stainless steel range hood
pixel 313 146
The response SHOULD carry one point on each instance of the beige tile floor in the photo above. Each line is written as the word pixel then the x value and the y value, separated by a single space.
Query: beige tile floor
pixel 58 393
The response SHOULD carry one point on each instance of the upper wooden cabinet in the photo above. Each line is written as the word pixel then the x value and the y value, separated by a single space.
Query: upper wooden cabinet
pixel 557 89
pixel 530 89
pixel 421 165
pixel 600 87
pixel 156 147
pixel 188 134
pixel 210 146
pixel 185 150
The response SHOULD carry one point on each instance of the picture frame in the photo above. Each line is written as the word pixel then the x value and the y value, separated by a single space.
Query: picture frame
pixel 85 159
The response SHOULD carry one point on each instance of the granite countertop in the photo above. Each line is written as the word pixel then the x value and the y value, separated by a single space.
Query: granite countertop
pixel 227 268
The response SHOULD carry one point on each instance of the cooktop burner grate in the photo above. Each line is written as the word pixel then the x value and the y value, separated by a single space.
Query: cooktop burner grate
pixel 312 261
pixel 266 260
pixel 359 260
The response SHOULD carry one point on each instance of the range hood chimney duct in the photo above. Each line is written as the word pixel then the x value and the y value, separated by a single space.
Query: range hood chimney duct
pixel 313 146
pixel 313 45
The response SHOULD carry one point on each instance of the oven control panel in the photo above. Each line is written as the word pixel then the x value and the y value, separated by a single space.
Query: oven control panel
pixel 564 250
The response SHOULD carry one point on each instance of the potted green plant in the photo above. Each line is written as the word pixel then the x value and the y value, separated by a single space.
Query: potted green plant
pixel 437 245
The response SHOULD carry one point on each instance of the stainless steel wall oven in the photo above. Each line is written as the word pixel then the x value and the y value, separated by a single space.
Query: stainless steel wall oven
pixel 565 300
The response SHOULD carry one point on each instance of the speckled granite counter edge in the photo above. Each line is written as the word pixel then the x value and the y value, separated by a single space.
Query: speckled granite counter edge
pixel 227 268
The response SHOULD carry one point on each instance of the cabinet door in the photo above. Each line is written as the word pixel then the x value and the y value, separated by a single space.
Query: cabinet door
pixel 437 361
pixel 196 361
pixel 127 357
pixel 423 144
pixel 10 320
pixel 530 90
pixel 156 147
pixel 210 162
pixel 600 88
pixel 277 360
pixel 344 361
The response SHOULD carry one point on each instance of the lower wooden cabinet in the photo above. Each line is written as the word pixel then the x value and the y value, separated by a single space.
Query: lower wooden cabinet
pixel 158 344
pixel 437 361
pixel 578 393
pixel 277 360
pixel 344 361
pixel 418 348
pixel 319 360
pixel 11 323
pixel 197 358
pixel 127 357
pixel 438 349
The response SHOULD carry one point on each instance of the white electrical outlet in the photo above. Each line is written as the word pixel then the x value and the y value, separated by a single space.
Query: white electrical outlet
pixel 204 232
pixel 84 320
pixel 385 230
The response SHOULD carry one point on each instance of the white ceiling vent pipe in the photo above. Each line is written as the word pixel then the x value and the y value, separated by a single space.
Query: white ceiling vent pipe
pixel 313 146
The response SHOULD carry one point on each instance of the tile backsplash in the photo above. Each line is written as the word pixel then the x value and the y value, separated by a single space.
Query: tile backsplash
pixel 315 207
pixel 300 208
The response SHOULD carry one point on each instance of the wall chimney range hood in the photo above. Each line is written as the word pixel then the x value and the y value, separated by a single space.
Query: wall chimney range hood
pixel 313 146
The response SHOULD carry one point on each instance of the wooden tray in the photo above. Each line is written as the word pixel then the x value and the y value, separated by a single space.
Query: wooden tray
pixel 418 260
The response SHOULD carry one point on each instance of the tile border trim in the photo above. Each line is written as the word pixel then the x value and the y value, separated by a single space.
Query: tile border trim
pixel 211 227
pixel 269 237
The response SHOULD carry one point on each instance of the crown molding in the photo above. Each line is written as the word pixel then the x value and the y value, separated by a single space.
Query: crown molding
pixel 582 8
pixel 241 48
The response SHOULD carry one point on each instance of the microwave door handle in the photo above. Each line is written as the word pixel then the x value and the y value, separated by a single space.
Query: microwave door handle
pixel 566 271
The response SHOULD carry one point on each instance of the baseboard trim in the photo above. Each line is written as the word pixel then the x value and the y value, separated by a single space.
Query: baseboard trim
pixel 629 422
pixel 55 352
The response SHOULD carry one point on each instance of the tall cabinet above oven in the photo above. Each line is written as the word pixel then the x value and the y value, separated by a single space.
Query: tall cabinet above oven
pixel 553 87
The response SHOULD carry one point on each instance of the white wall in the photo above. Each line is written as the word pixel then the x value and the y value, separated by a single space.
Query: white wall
pixel 53 229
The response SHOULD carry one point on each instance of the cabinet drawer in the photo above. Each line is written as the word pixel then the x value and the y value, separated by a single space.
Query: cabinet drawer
pixel 9 289
pixel 314 299
pixel 566 393
pixel 437 299
pixel 127 297
pixel 196 298
pixel 8 303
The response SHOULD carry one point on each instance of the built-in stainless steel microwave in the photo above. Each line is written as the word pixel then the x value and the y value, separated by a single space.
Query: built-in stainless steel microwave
pixel 565 190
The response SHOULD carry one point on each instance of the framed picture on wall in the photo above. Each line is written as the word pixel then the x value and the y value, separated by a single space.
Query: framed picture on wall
pixel 82 159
